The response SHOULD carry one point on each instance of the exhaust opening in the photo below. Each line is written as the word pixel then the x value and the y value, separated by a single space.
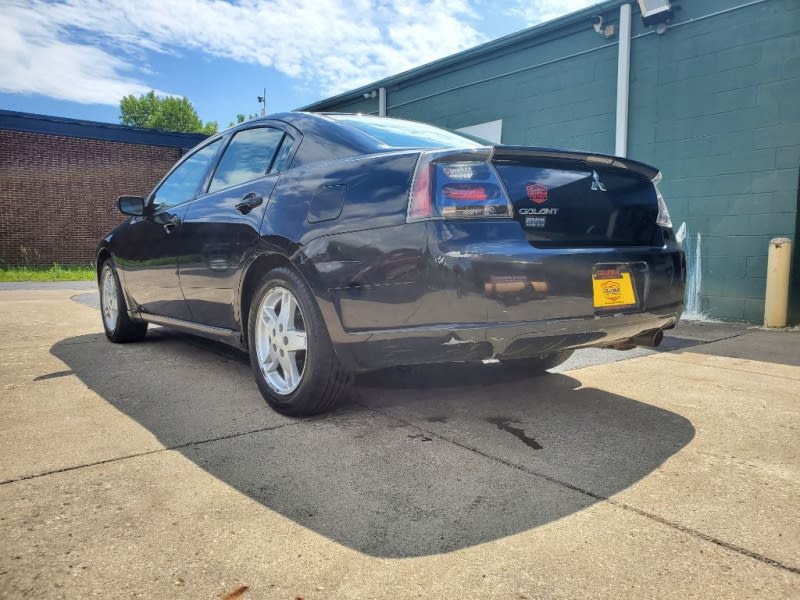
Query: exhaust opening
pixel 648 339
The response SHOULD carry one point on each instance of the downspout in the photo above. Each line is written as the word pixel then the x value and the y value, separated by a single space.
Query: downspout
pixel 382 102
pixel 623 80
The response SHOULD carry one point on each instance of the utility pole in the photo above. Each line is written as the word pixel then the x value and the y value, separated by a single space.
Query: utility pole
pixel 263 101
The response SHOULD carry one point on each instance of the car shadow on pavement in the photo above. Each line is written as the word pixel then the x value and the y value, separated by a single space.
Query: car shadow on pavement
pixel 419 461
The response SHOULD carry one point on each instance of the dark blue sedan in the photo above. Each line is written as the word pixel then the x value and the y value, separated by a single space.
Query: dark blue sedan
pixel 326 244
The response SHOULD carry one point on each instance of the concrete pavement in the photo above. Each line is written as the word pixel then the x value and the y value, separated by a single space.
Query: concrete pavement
pixel 155 470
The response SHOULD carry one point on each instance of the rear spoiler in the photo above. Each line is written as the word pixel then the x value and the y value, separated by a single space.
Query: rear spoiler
pixel 588 159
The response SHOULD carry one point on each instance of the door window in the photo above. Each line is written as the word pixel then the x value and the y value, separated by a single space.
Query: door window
pixel 247 157
pixel 185 180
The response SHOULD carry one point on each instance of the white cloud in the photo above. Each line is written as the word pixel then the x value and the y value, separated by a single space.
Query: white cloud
pixel 94 51
pixel 539 11
pixel 34 60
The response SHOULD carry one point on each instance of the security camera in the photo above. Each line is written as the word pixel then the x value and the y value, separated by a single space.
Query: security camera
pixel 365 95
pixel 597 23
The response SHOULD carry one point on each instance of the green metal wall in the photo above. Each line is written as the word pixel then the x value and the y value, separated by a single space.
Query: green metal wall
pixel 714 103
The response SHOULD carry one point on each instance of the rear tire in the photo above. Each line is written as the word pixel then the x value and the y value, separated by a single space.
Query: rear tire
pixel 293 361
pixel 538 365
pixel 118 325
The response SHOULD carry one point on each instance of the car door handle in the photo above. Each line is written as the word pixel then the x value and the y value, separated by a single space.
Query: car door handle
pixel 172 224
pixel 249 202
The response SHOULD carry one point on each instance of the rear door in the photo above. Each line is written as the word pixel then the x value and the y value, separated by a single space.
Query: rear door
pixel 221 228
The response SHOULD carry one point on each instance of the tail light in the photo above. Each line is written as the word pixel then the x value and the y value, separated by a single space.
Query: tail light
pixel 663 219
pixel 455 185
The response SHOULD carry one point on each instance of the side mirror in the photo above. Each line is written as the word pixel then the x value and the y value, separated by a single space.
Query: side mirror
pixel 131 205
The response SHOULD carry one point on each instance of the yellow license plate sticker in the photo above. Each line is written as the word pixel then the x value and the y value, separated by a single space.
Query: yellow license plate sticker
pixel 613 288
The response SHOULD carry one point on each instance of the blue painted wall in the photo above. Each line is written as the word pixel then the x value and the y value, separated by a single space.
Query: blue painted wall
pixel 714 103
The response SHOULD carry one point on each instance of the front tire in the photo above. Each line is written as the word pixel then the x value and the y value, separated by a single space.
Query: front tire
pixel 118 325
pixel 293 361
pixel 538 365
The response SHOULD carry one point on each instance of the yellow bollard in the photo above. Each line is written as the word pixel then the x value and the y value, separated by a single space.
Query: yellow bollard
pixel 776 302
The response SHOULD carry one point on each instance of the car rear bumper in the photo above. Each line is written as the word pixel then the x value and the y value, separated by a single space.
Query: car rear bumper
pixel 446 343
pixel 480 290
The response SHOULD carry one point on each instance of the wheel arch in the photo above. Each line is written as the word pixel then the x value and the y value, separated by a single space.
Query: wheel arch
pixel 257 269
pixel 102 256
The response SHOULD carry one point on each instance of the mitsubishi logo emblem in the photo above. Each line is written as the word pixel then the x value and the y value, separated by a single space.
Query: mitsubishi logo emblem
pixel 597 185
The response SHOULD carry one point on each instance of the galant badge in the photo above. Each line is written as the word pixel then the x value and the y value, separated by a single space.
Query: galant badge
pixel 537 211
pixel 597 185
pixel 536 193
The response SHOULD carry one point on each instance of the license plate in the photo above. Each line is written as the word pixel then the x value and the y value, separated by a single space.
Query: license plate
pixel 613 287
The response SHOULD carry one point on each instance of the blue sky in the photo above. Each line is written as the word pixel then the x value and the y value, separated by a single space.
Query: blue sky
pixel 77 58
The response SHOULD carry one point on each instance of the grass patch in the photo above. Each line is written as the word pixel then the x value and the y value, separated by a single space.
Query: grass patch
pixel 55 272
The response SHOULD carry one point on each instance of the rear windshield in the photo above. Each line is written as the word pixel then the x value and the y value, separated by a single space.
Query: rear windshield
pixel 396 133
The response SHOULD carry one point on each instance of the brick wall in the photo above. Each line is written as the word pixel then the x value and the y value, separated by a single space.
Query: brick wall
pixel 58 194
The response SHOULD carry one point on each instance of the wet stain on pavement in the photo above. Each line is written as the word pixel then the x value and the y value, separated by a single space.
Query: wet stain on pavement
pixel 504 424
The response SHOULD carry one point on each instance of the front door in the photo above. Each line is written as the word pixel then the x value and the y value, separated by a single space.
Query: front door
pixel 148 258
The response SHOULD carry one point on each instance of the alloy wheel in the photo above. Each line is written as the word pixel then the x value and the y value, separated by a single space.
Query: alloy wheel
pixel 281 341
pixel 110 306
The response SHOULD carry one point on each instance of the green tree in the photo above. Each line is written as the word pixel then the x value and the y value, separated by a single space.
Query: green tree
pixel 167 112
pixel 241 118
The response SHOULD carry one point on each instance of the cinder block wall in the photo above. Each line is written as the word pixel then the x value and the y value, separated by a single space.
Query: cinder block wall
pixel 714 103
pixel 59 193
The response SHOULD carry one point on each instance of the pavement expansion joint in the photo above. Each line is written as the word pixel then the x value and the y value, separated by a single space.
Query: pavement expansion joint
pixel 149 452
pixel 643 513
pixel 706 537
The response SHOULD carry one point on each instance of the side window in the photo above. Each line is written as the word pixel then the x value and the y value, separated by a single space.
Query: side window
pixel 280 160
pixel 183 182
pixel 247 157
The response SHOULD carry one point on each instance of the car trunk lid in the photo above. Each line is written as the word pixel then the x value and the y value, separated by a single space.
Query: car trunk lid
pixel 567 199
